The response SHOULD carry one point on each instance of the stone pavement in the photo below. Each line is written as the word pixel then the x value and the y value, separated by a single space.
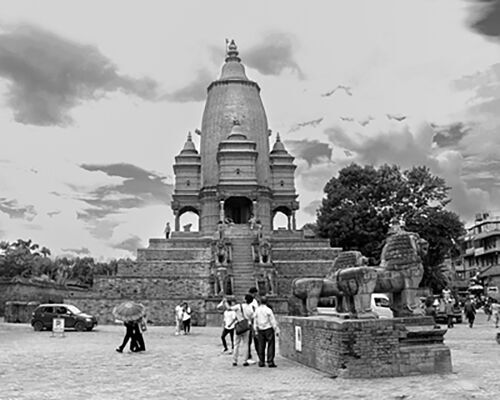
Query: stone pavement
pixel 84 365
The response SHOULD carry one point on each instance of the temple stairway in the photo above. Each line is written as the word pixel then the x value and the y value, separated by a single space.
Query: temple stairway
pixel 241 238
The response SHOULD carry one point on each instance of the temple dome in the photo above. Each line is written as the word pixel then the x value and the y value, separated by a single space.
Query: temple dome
pixel 233 97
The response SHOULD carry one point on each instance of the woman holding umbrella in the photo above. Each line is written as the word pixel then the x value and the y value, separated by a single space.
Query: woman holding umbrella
pixel 131 314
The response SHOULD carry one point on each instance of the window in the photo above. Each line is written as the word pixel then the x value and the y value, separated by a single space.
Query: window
pixel 48 309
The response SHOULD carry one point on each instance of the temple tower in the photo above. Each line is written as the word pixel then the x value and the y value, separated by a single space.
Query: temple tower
pixel 238 176
pixel 234 178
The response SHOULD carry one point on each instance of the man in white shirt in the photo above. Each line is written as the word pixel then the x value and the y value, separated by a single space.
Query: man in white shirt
pixel 178 318
pixel 228 328
pixel 243 311
pixel 265 329
pixel 254 292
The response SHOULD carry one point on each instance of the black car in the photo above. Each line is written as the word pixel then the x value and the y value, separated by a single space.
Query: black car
pixel 44 314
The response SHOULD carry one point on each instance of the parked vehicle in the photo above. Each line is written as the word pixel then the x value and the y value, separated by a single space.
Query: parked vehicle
pixel 380 305
pixel 73 318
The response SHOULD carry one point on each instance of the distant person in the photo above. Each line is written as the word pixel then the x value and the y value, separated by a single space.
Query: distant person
pixel 229 321
pixel 266 329
pixel 243 311
pixel 129 334
pixel 186 318
pixel 137 343
pixel 470 312
pixel 251 222
pixel 495 312
pixel 448 308
pixel 178 318
pixel 167 230
pixel 446 293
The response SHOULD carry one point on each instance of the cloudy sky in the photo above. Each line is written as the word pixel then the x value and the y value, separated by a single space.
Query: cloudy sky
pixel 98 96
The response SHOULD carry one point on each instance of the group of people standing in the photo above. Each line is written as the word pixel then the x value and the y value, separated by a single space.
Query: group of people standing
pixel 182 318
pixel 259 324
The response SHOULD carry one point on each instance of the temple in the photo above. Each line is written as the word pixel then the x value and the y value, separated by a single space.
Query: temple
pixel 236 184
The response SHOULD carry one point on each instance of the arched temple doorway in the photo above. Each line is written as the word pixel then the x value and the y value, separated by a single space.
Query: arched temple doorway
pixel 238 209
pixel 282 218
pixel 187 220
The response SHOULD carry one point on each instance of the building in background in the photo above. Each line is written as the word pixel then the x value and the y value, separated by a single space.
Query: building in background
pixel 480 251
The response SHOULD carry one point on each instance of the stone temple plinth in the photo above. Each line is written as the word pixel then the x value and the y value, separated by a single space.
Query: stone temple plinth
pixel 366 348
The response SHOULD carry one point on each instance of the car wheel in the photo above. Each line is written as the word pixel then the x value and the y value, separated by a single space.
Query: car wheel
pixel 90 328
pixel 38 326
pixel 80 326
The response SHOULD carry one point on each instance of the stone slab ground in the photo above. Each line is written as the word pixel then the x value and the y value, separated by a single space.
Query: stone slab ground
pixel 34 365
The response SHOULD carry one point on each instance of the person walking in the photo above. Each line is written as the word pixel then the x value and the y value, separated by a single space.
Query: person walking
pixel 449 312
pixel 243 311
pixel 178 318
pixel 266 329
pixel 129 334
pixel 167 230
pixel 495 312
pixel 470 312
pixel 228 328
pixel 137 342
pixel 186 318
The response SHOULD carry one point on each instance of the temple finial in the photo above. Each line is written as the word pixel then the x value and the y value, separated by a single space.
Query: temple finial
pixel 232 51
pixel 189 138
pixel 278 137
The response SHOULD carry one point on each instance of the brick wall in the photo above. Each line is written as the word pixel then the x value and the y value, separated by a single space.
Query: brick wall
pixel 364 348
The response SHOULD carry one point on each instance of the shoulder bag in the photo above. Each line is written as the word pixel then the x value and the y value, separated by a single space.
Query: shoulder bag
pixel 243 325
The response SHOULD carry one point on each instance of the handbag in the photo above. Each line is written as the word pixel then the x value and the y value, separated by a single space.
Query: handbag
pixel 243 325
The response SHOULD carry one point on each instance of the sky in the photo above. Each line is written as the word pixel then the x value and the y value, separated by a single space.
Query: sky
pixel 98 97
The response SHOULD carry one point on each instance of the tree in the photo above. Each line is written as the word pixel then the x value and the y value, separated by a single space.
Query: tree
pixel 361 201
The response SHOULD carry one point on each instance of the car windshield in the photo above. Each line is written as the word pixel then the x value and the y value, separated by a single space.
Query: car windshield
pixel 74 309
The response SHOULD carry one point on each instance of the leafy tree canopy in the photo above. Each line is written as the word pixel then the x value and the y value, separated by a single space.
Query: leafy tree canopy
pixel 361 201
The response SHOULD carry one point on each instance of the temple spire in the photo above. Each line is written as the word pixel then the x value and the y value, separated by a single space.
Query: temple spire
pixel 232 51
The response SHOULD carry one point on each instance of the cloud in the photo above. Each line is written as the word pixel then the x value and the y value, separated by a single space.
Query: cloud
pixel 312 207
pixel 83 251
pixel 449 135
pixel 313 123
pixel 194 91
pixel 139 188
pixel 313 151
pixel 131 244
pixel 48 75
pixel 273 56
pixel 487 18
pixel 14 210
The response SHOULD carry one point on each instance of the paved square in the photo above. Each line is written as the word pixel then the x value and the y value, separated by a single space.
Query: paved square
pixel 35 365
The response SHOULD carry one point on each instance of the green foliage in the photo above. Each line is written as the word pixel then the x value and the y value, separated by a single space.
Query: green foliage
pixel 361 201
pixel 26 259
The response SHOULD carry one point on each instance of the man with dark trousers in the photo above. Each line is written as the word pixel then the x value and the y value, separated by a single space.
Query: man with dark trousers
pixel 253 291
pixel 265 328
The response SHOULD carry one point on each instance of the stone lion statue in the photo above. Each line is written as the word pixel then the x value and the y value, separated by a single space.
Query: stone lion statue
pixel 352 282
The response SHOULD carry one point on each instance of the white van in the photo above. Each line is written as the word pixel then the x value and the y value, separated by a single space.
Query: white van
pixel 381 305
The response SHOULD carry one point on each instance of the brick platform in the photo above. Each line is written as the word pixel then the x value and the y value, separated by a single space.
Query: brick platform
pixel 366 348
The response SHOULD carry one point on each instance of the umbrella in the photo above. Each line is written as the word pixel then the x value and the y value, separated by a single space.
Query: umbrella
pixel 129 311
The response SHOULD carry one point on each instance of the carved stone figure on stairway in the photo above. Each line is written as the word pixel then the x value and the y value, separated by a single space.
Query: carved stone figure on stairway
pixel 264 250
pixel 222 252
pixel 265 279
